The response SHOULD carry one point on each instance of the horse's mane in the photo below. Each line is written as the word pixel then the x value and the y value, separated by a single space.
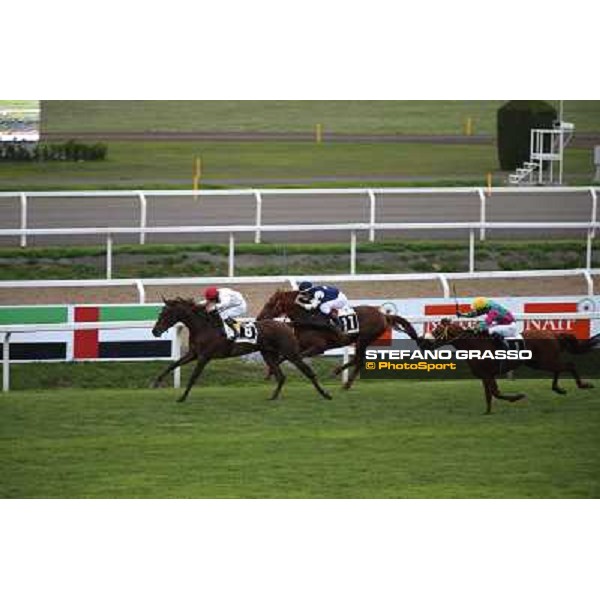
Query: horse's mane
pixel 187 302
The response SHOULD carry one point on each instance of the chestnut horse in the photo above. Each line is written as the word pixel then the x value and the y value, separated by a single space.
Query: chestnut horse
pixel 275 341
pixel 316 335
pixel 545 346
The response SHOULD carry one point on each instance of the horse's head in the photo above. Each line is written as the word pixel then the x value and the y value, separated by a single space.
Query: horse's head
pixel 173 312
pixel 277 305
pixel 446 330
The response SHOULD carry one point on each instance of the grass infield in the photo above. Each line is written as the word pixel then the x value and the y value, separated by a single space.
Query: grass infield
pixel 380 440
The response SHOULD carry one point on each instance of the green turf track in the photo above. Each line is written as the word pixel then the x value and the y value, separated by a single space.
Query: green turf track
pixel 381 440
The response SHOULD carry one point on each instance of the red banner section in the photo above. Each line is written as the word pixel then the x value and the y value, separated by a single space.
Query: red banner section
pixel 85 341
pixel 578 327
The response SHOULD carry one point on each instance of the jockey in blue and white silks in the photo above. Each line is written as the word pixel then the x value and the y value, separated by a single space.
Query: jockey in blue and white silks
pixel 328 299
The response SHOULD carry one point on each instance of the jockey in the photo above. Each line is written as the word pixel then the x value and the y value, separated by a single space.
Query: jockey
pixel 328 299
pixel 227 303
pixel 499 321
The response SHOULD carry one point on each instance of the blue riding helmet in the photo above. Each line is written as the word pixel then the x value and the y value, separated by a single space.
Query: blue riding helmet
pixel 305 286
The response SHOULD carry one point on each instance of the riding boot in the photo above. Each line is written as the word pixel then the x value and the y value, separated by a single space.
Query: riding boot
pixel 234 325
pixel 499 341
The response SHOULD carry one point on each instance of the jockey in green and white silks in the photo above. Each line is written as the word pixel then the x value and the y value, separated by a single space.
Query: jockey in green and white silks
pixel 498 321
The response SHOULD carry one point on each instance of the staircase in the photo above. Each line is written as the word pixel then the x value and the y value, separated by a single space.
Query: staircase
pixel 546 148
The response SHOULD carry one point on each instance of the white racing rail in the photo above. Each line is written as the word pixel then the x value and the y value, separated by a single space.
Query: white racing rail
pixel 587 227
pixel 7 330
pixel 444 279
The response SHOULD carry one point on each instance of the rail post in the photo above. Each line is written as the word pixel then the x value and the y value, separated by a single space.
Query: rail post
pixel 353 253
pixel 6 362
pixel 143 216
pixel 471 251
pixel 231 265
pixel 588 250
pixel 345 359
pixel 176 356
pixel 371 215
pixel 482 208
pixel 258 197
pixel 23 219
pixel 594 217
pixel 109 244
pixel 141 291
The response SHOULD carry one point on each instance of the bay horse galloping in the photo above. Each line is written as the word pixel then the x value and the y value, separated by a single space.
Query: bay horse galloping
pixel 545 347
pixel 275 341
pixel 316 335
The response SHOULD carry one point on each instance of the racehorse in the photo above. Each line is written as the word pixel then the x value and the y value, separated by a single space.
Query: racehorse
pixel 275 341
pixel 316 335
pixel 545 347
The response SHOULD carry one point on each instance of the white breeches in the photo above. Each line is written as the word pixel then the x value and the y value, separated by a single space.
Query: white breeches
pixel 340 302
pixel 505 330
pixel 238 310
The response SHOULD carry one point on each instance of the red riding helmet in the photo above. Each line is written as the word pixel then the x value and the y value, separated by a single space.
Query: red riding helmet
pixel 211 293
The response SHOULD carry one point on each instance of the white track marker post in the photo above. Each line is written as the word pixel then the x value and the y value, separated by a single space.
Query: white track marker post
pixel 353 253
pixel 588 250
pixel 594 216
pixel 471 251
pixel 23 219
pixel 258 197
pixel 371 215
pixel 109 245
pixel 143 216
pixel 482 208
pixel 6 362
pixel 231 266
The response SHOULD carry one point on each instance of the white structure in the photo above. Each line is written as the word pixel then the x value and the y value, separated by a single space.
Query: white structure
pixel 597 163
pixel 546 150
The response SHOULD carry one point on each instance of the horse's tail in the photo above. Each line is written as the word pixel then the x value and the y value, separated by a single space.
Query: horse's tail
pixel 401 324
pixel 572 345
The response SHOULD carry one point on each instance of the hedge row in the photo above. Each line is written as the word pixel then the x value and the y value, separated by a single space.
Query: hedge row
pixel 71 150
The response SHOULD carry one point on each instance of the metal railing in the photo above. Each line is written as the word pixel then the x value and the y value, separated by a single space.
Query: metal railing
pixel 256 196
pixel 443 279
pixel 588 227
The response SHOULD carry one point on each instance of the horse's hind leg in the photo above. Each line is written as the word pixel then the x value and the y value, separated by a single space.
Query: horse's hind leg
pixel 359 358
pixel 582 385
pixel 202 362
pixel 555 387
pixel 272 361
pixel 487 388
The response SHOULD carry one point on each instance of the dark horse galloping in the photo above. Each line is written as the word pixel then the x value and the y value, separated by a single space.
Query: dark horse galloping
pixel 316 336
pixel 545 346
pixel 276 342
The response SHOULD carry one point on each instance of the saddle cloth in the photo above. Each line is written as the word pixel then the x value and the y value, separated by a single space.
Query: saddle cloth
pixel 248 332
pixel 348 320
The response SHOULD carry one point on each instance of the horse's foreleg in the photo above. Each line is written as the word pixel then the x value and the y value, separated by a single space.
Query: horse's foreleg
pixel 202 362
pixel 191 354
pixel 487 388
pixel 297 361
pixel 508 397
pixel 555 387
